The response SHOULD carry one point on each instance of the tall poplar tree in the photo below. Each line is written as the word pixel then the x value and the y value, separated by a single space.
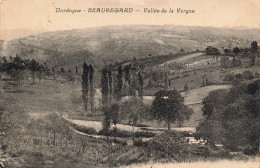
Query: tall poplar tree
pixel 119 83
pixel 104 87
pixel 85 85
pixel 128 77
pixel 141 84
pixel 110 83
pixel 91 86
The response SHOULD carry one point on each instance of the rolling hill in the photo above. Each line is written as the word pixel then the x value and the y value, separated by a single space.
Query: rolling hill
pixel 104 45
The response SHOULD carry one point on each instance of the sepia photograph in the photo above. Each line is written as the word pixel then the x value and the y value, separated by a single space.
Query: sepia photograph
pixel 129 83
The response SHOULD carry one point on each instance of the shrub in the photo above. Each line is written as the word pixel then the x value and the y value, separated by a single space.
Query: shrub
pixel 142 125
pixel 144 134
pixel 247 75
pixel 115 133
pixel 187 134
pixel 238 76
pixel 249 150
pixel 169 144
pixel 139 142
pixel 4 147
pixel 219 152
pixel 229 77
pixel 123 133
pixel 86 130
pixel 122 142
pixel 211 150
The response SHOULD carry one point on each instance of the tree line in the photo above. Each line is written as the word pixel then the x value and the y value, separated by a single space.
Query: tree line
pixel 15 66
pixel 250 52
pixel 113 85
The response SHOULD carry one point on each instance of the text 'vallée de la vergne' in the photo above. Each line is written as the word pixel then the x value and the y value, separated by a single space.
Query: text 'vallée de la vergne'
pixel 126 10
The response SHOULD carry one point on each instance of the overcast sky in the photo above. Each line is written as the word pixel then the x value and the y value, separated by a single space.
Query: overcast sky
pixel 41 15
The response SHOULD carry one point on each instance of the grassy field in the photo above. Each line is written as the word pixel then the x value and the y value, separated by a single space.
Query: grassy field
pixel 61 97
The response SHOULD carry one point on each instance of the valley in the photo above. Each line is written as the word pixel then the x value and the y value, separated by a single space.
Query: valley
pixel 98 97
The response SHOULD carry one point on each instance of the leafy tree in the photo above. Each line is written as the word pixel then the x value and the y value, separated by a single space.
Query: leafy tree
pixel 15 66
pixel 168 106
pixel 37 126
pixel 56 125
pixel 33 67
pixel 119 83
pixel 155 75
pixel 212 51
pixel 85 85
pixel 3 64
pixel 254 46
pixel 226 51
pixel 82 141
pixel 236 50
pixel 133 109
pixel 184 115
pixel 91 86
pixel 247 75
pixel 62 70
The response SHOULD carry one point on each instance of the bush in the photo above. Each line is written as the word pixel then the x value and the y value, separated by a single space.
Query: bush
pixel 238 76
pixel 142 125
pixel 122 142
pixel 211 150
pixel 86 130
pixel 247 75
pixel 123 133
pixel 249 150
pixel 169 144
pixel 139 142
pixel 144 134
pixel 115 133
pixel 83 129
pixel 219 152
pixel 187 134
pixel 229 77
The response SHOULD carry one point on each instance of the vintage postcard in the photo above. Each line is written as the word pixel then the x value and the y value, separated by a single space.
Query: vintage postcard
pixel 129 83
